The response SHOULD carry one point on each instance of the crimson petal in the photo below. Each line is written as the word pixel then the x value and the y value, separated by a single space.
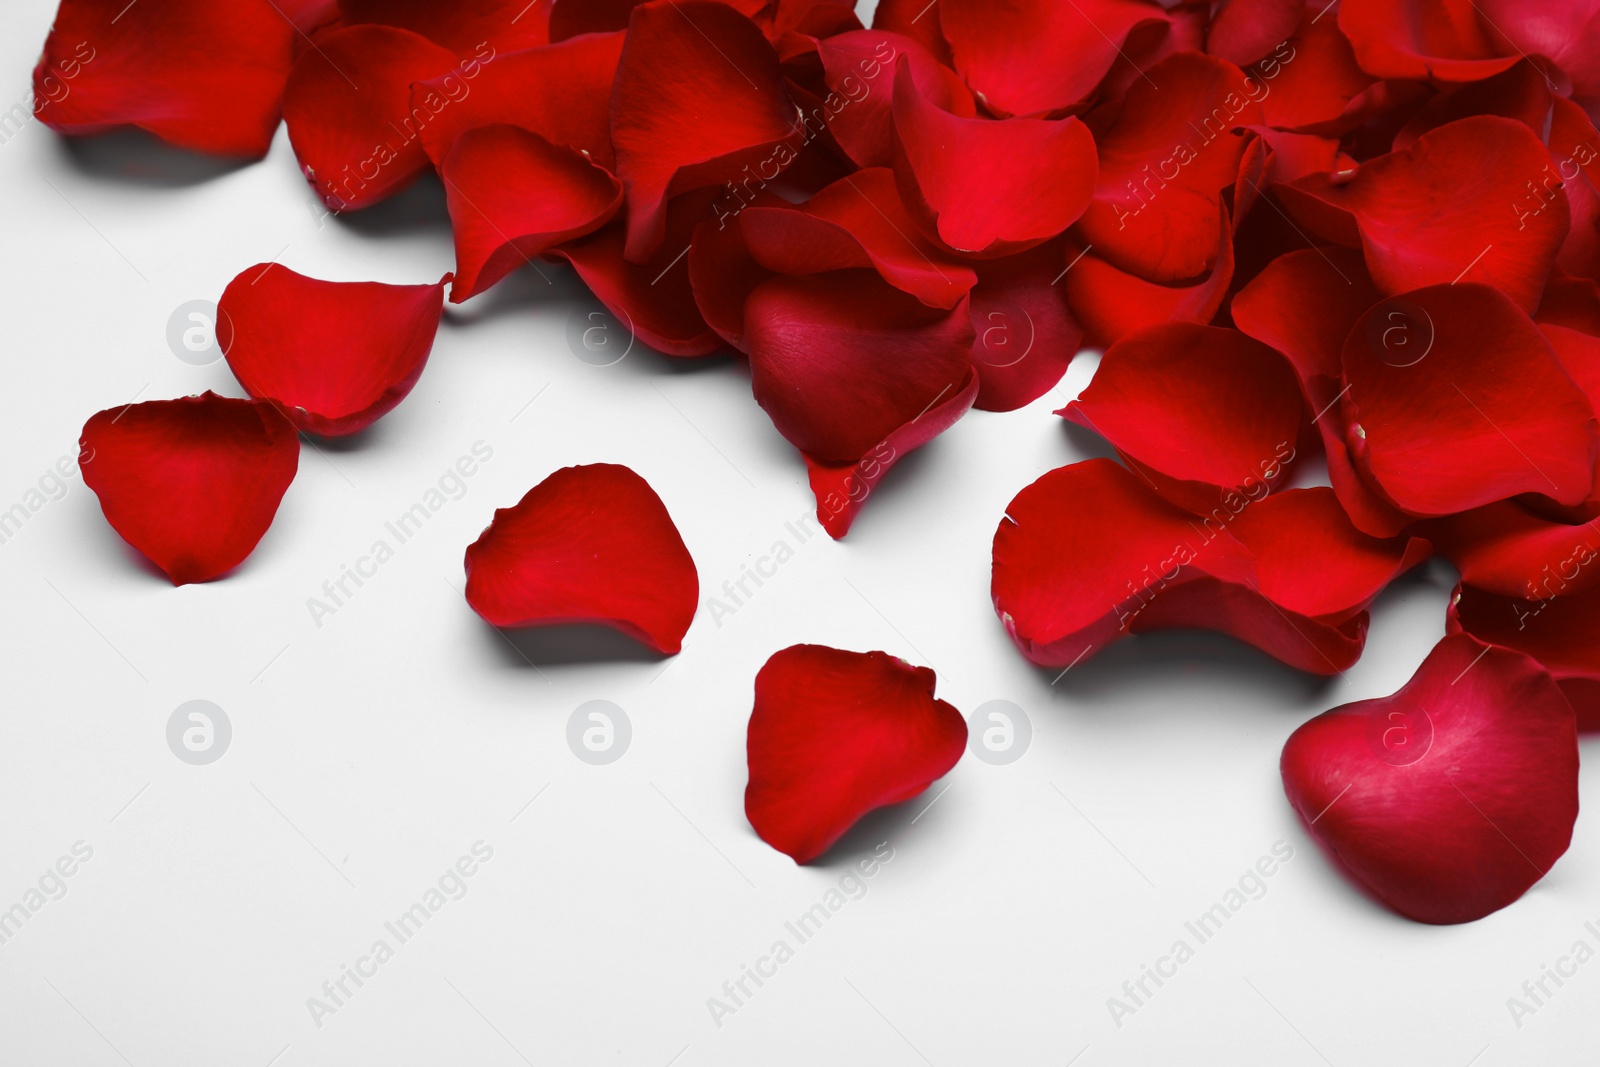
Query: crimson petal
pixel 589 544
pixel 855 65
pixel 193 483
pixel 480 27
pixel 1421 39
pixel 1026 335
pixel 837 734
pixel 1561 632
pixel 1112 303
pixel 1452 797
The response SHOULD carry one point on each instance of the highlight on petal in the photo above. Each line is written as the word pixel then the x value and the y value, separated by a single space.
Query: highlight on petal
pixel 589 544
pixel 1561 631
pixel 1472 407
pixel 698 98
pixel 839 361
pixel 1203 412
pixel 1026 335
pixel 512 196
pixel 193 483
pixel 333 356
pixel 198 74
pixel 466 27
pixel 1028 57
pixel 1450 798
pixel 835 735
pixel 962 179
pixel 348 108
pixel 859 67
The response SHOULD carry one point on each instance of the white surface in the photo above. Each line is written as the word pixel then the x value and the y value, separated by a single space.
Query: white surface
pixel 370 753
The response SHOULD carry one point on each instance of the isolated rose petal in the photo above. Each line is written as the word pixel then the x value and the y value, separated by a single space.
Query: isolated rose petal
pixel 1452 797
pixel 1476 408
pixel 962 179
pixel 1086 548
pixel 859 67
pixel 589 544
pixel 842 488
pixel 857 221
pixel 1443 39
pixel 334 356
pixel 1205 412
pixel 698 97
pixel 1111 303
pixel 1028 57
pixel 513 195
pixel 1445 210
pixel 201 75
pixel 348 109
pixel 484 28
pixel 839 361
pixel 561 92
pixel 837 734
pixel 193 483
pixel 1165 159
pixel 1026 335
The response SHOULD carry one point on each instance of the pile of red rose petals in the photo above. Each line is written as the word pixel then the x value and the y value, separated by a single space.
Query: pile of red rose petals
pixel 1363 236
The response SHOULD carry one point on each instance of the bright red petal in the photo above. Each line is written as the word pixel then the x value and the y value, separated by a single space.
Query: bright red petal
pixel 859 68
pixel 837 734
pixel 1112 303
pixel 334 356
pixel 1312 81
pixel 1421 39
pixel 191 483
pixel 1450 798
pixel 1507 549
pixel 589 544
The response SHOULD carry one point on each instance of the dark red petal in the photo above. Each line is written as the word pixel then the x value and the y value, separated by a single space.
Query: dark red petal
pixel 841 489
pixel 569 18
pixel 1164 163
pixel 839 361
pixel 698 98
pixel 857 221
pixel 513 195
pixel 859 68
pixel 1468 227
pixel 1028 57
pixel 348 109
pixel 1450 798
pixel 589 544
pixel 722 272
pixel 1422 39
pixel 1521 93
pixel 202 75
pixel 1083 551
pixel 913 19
pixel 562 92
pixel 1573 303
pixel 1508 550
pixel 1561 632
pixel 837 734
pixel 1312 82
pixel 1567 33
pixel 961 176
pixel 191 483
pixel 1205 412
pixel 1026 334
pixel 654 300
pixel 484 28
pixel 1575 170
pixel 1112 303
pixel 1474 407
pixel 334 356
pixel 1244 31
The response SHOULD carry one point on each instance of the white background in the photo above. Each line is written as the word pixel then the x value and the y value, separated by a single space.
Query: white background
pixel 368 754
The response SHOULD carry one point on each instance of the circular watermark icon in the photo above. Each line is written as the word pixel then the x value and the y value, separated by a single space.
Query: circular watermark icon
pixel 599 338
pixel 199 732
pixel 599 732
pixel 1001 345
pixel 192 332
pixel 1400 333
pixel 1399 736
pixel 999 732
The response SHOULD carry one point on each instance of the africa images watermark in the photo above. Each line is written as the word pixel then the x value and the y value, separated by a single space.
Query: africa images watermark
pixel 51 885
pixel 54 84
pixel 51 486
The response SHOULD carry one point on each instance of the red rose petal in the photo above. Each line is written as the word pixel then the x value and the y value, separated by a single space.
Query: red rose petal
pixel 839 361
pixel 513 195
pixel 837 734
pixel 1244 31
pixel 1482 412
pixel 194 483
pixel 1026 335
pixel 201 75
pixel 722 272
pixel 698 98
pixel 334 356
pixel 561 92
pixel 1312 80
pixel 1028 57
pixel 960 176
pixel 911 18
pixel 348 109
pixel 1450 798
pixel 467 27
pixel 1561 632
pixel 1521 93
pixel 1421 39
pixel 857 221
pixel 1467 227
pixel 860 66
pixel 569 18
pixel 1164 163
pixel 589 544
pixel 1508 550
pixel 1205 412
pixel 1575 167
pixel 1567 33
